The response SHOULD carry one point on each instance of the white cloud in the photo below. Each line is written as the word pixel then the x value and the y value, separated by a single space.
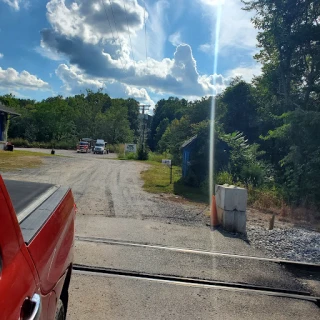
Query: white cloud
pixel 15 4
pixel 81 36
pixel 156 35
pixel 213 2
pixel 47 53
pixel 206 48
pixel 139 94
pixel 74 81
pixel 12 79
pixel 89 19
pixel 1 55
pixel 175 38
pixel 246 72
pixel 178 75
pixel 236 30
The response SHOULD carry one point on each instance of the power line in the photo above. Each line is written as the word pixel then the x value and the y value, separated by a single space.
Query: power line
pixel 105 10
pixel 125 8
pixel 114 20
pixel 145 32
pixel 114 40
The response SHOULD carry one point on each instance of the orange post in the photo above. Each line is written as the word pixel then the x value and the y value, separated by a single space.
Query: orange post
pixel 214 213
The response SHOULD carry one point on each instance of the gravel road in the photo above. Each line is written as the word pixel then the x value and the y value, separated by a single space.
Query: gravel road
pixel 105 187
pixel 112 205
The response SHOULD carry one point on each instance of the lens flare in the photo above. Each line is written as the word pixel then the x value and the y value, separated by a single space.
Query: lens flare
pixel 213 104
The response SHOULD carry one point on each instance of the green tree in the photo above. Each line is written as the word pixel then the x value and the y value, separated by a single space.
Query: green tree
pixel 113 125
pixel 174 136
pixel 240 109
pixel 288 92
pixel 172 108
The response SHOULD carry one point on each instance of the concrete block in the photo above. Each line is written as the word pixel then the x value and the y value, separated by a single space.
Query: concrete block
pixel 220 215
pixel 240 222
pixel 228 220
pixel 234 221
pixel 231 198
pixel 231 207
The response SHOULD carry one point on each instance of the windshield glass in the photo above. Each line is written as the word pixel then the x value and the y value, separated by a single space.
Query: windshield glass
pixel 189 134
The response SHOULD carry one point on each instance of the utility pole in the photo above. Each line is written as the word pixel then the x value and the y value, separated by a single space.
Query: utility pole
pixel 143 108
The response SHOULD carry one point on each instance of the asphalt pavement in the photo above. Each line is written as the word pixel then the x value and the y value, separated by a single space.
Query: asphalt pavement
pixel 123 298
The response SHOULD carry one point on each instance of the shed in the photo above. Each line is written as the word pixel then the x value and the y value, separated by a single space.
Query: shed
pixel 187 148
pixel 5 115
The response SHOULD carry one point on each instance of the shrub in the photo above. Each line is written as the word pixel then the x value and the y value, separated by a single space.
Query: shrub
pixel 264 199
pixel 119 149
pixel 68 145
pixel 142 153
pixel 131 156
pixel 23 143
pixel 224 177
pixel 112 148
pixel 19 142
pixel 157 157
pixel 253 174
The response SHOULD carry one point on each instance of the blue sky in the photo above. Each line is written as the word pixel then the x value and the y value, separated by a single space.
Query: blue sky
pixel 66 46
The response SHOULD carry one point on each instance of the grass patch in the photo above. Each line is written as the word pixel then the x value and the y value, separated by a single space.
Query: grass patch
pixel 157 180
pixel 128 156
pixel 158 157
pixel 10 161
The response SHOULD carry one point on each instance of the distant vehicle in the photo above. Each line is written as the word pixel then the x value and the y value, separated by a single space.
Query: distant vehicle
pixel 36 249
pixel 83 146
pixel 90 141
pixel 99 146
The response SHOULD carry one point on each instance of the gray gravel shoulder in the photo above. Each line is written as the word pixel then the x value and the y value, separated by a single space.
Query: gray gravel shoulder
pixel 286 243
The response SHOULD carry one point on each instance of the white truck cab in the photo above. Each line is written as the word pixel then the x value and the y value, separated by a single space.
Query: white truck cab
pixel 99 146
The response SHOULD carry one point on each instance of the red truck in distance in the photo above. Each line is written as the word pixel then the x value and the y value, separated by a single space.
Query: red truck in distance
pixel 36 250
pixel 83 146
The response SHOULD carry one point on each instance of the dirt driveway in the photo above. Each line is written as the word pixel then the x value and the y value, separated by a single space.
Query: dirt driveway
pixel 121 227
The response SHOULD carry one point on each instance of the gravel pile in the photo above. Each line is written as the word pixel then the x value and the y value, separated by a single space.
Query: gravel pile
pixel 286 243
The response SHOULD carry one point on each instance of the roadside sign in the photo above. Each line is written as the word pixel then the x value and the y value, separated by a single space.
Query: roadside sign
pixel 130 147
pixel 166 162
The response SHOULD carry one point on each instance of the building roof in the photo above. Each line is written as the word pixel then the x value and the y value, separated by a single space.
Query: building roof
pixel 7 110
pixel 188 142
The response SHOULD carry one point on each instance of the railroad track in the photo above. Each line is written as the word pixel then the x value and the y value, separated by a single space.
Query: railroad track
pixel 200 282
pixel 276 292
pixel 305 266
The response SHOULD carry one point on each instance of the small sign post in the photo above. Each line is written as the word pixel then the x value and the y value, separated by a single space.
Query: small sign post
pixel 169 164
pixel 130 147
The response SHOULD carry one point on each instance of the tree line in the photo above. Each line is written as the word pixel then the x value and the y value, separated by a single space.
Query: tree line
pixel 267 131
pixel 59 120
